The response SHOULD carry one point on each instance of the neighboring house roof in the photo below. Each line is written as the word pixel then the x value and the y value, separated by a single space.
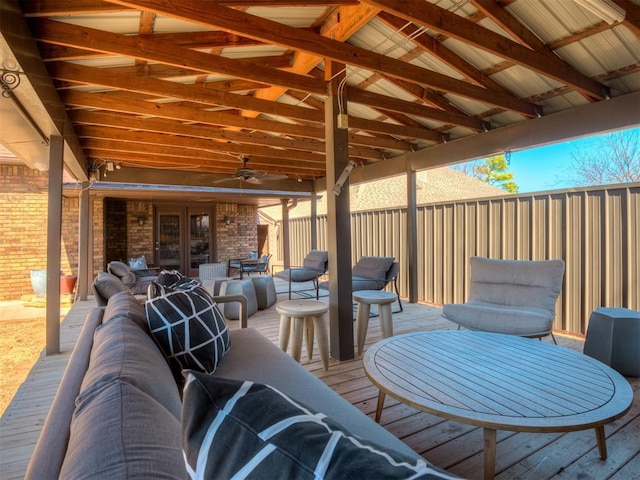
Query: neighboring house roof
pixel 435 185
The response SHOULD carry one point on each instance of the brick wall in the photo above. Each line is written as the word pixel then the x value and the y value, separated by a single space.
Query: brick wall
pixel 23 229
pixel 140 237
pixel 238 238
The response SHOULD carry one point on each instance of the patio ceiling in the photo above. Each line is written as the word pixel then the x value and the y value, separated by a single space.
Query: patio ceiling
pixel 178 92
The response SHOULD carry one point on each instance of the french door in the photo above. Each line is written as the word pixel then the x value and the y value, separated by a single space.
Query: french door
pixel 184 238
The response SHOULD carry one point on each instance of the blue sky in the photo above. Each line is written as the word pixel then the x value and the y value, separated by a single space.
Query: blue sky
pixel 539 169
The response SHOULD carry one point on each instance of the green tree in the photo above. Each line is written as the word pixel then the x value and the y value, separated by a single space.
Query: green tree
pixel 493 170
pixel 611 158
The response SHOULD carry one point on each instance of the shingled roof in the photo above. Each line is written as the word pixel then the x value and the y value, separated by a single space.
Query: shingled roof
pixel 433 186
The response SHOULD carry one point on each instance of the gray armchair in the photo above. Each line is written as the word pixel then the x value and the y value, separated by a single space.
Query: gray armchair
pixel 314 265
pixel 516 297
pixel 373 273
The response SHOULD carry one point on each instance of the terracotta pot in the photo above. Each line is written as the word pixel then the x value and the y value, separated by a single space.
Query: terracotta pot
pixel 67 282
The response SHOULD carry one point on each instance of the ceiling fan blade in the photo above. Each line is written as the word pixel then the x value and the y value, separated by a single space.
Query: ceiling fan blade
pixel 255 180
pixel 226 180
pixel 272 176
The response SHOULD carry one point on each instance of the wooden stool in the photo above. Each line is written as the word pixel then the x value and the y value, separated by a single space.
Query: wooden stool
pixel 307 315
pixel 366 298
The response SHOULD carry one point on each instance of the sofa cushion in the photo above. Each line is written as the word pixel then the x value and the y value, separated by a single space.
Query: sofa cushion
pixel 107 285
pixel 123 350
pixel 257 359
pixel 123 272
pixel 243 429
pixel 374 268
pixel 187 326
pixel 124 304
pixel 316 260
pixel 118 431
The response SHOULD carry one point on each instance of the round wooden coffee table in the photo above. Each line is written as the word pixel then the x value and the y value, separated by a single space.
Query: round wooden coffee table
pixel 498 382
pixel 308 315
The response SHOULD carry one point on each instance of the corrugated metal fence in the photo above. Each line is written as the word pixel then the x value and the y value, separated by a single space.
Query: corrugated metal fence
pixel 595 230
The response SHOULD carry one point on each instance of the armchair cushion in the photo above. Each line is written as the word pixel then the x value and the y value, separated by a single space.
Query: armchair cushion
pixel 316 260
pixel 489 317
pixel 374 268
pixel 516 283
pixel 139 263
pixel 361 283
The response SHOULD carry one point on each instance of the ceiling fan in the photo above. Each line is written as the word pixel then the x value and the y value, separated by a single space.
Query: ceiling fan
pixel 251 176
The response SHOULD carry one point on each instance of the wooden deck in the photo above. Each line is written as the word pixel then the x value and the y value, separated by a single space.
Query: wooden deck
pixel 454 446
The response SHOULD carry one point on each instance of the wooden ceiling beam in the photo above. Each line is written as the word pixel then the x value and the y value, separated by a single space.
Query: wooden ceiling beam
pixel 161 125
pixel 238 149
pixel 47 8
pixel 304 41
pixel 154 51
pixel 384 142
pixel 344 22
pixel 441 20
pixel 435 47
pixel 163 88
pixel 267 163
pixel 385 102
pixel 126 103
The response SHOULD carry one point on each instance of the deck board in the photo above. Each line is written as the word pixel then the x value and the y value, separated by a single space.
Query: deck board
pixel 452 445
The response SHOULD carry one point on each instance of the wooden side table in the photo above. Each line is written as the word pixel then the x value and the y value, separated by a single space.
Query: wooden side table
pixel 307 315
pixel 366 298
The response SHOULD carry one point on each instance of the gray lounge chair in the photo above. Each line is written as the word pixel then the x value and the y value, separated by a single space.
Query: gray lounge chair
pixel 373 273
pixel 314 265
pixel 515 297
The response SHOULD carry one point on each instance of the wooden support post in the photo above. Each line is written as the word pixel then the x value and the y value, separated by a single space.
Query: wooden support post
pixel 54 235
pixel 85 266
pixel 412 236
pixel 338 219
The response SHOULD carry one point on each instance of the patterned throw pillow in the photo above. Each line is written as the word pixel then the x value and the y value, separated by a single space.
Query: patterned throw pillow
pixel 168 278
pixel 246 430
pixel 187 325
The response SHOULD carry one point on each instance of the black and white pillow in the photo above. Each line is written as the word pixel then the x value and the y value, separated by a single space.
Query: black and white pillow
pixel 246 430
pixel 187 325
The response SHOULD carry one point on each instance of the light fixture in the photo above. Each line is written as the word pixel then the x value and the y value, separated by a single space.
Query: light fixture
pixel 227 220
pixel 606 10
pixel 140 212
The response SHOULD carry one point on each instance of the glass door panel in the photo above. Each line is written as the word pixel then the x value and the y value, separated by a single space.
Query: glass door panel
pixel 169 246
pixel 199 241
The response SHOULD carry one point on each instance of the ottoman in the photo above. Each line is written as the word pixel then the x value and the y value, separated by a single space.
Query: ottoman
pixel 613 337
pixel 213 284
pixel 239 287
pixel 265 291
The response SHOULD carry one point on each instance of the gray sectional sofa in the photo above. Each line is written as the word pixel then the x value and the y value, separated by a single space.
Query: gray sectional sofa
pixel 118 409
